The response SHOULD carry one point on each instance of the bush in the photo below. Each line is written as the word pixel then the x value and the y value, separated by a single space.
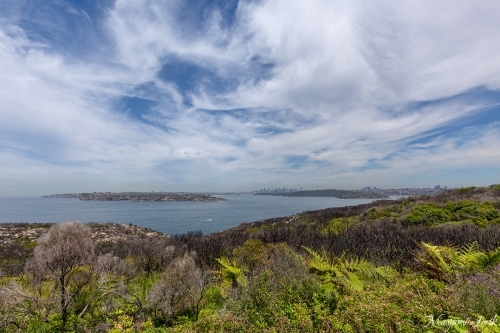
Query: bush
pixel 280 295
pixel 402 306
pixel 228 322
pixel 479 213
pixel 478 295
pixel 428 214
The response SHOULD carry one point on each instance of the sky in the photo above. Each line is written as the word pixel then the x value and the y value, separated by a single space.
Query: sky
pixel 227 95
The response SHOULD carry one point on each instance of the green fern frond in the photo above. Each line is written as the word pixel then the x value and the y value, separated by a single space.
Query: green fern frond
pixel 435 258
pixel 490 259
pixel 231 275
pixel 470 248
pixel 386 273
pixel 469 258
pixel 318 264
pixel 444 262
pixel 354 281
pixel 341 273
pixel 229 266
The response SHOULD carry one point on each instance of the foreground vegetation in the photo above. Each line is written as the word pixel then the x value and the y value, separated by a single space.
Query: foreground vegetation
pixel 423 264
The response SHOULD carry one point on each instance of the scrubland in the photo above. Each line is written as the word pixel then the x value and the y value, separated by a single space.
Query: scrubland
pixel 419 264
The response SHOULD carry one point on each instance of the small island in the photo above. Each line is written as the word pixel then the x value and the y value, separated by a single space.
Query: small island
pixel 138 196
pixel 341 194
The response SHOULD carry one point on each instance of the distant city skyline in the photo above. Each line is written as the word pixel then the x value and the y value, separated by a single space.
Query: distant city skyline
pixel 412 190
pixel 130 95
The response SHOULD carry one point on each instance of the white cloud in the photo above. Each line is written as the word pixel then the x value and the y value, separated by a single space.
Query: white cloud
pixel 341 91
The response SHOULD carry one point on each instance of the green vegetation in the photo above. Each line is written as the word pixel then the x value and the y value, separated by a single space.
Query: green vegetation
pixel 479 213
pixel 421 264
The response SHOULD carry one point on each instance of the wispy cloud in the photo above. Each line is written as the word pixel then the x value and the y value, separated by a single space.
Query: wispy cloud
pixel 180 95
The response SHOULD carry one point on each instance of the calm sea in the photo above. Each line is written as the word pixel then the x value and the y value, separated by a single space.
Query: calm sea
pixel 167 217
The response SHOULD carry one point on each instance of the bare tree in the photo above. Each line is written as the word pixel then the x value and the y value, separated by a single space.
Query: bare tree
pixel 152 255
pixel 60 254
pixel 108 271
pixel 178 289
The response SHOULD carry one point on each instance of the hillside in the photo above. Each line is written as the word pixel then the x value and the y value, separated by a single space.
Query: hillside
pixel 428 263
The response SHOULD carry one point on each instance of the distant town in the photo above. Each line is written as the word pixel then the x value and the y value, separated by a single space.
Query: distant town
pixel 388 192
pixel 408 191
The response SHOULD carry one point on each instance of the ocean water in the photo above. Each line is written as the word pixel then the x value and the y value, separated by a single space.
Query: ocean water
pixel 167 217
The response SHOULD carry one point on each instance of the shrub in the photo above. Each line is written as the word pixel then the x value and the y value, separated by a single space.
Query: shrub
pixel 428 214
pixel 280 297
pixel 177 289
pixel 228 322
pixel 403 306
pixel 479 213
pixel 478 295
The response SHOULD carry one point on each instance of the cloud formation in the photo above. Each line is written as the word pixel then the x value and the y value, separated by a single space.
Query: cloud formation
pixel 237 95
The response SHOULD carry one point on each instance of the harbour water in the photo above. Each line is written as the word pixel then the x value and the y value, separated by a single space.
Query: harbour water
pixel 167 217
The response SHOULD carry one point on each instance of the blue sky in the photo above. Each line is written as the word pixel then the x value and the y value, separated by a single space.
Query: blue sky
pixel 139 95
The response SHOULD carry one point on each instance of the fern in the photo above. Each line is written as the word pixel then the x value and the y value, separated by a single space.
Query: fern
pixel 490 259
pixel 231 275
pixel 435 260
pixel 340 274
pixel 469 258
pixel 446 262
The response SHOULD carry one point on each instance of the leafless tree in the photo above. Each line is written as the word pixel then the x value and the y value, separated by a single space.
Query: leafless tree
pixel 178 289
pixel 60 255
pixel 152 255
pixel 108 271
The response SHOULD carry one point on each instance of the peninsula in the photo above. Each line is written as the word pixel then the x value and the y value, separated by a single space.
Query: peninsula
pixel 138 196
pixel 62 196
